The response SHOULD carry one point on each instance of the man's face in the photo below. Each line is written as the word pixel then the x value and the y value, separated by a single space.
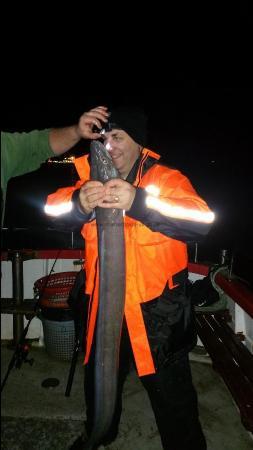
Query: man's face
pixel 123 150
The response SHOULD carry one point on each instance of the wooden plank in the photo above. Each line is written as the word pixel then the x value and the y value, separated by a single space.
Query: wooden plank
pixel 240 353
pixel 239 385
pixel 8 306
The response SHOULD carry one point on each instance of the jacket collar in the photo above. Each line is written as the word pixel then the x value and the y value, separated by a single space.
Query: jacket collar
pixel 147 159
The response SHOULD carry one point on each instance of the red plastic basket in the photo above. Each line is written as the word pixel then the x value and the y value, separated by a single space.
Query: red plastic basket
pixel 54 290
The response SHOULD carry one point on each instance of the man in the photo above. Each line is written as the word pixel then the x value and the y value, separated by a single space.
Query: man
pixel 23 152
pixel 162 213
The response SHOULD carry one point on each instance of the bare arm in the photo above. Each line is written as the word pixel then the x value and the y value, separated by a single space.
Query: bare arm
pixel 63 139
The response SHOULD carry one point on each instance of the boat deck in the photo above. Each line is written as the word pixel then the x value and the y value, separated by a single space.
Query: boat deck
pixel 42 418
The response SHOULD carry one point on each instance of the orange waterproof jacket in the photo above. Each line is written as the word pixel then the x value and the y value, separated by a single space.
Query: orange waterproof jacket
pixel 154 238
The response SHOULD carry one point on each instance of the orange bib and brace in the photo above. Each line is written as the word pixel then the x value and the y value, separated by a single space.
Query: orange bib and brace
pixel 152 258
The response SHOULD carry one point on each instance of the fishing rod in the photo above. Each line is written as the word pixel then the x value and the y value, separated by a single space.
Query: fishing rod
pixel 22 348
pixel 77 302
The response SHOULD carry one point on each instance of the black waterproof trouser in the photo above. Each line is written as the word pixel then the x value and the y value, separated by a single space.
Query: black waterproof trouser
pixel 172 396
pixel 174 402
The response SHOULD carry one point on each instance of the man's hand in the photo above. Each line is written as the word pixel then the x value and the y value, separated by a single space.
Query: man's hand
pixel 118 194
pixel 96 116
pixel 63 139
pixel 90 196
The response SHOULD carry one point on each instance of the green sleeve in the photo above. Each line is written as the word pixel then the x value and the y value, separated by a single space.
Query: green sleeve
pixel 21 153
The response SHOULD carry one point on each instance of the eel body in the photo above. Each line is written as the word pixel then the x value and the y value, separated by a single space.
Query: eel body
pixel 111 255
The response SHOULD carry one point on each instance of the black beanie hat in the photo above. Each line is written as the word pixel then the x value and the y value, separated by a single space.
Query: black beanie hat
pixel 132 120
